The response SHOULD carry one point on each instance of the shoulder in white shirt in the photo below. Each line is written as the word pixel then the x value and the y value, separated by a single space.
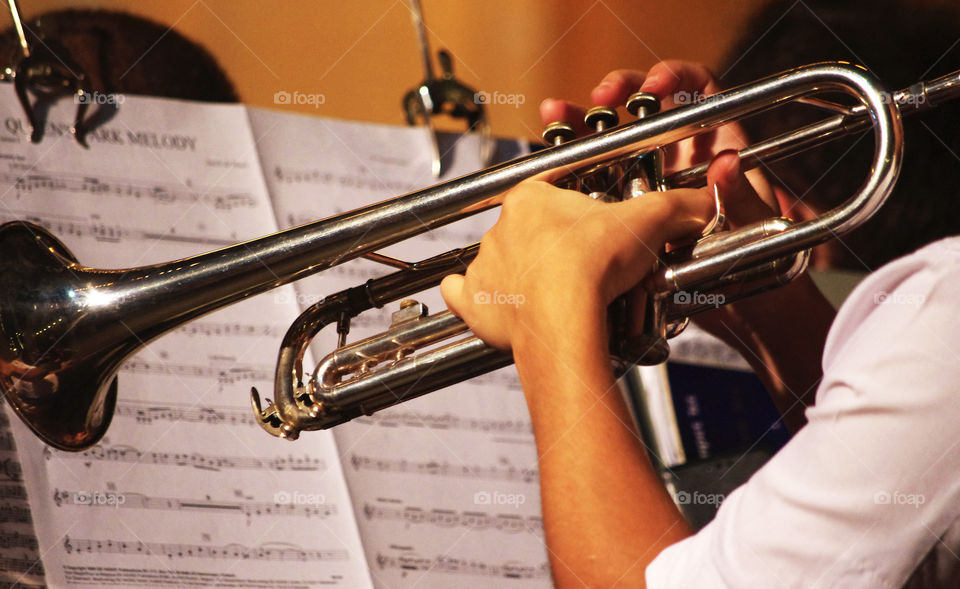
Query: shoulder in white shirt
pixel 867 494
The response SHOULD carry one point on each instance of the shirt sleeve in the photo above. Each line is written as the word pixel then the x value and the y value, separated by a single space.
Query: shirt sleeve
pixel 860 495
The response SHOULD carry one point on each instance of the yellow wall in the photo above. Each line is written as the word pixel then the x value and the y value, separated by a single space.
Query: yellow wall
pixel 362 55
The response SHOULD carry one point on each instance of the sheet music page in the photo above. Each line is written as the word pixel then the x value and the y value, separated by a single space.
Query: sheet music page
pixel 696 346
pixel 185 489
pixel 445 486
pixel 20 564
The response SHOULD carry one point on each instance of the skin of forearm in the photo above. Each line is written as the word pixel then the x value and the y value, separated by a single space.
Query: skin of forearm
pixel 781 334
pixel 605 509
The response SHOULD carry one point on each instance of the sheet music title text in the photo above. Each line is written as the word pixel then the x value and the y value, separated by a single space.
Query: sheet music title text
pixel 110 135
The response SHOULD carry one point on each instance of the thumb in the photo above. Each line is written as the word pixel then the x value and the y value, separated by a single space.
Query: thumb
pixel 452 289
pixel 741 202
pixel 652 221
pixel 669 216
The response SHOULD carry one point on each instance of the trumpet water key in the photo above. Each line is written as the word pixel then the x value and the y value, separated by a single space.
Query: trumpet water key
pixel 66 328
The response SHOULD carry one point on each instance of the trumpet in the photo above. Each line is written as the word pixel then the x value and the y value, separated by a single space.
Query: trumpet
pixel 67 328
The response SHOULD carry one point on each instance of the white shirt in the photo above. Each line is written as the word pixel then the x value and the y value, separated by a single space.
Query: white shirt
pixel 867 494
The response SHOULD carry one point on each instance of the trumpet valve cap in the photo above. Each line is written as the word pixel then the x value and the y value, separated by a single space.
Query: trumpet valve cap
pixel 642 104
pixel 599 118
pixel 558 132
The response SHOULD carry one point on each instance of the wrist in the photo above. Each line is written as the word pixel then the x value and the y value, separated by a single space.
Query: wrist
pixel 559 322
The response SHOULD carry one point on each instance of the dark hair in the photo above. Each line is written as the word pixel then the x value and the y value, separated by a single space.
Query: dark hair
pixel 901 43
pixel 122 53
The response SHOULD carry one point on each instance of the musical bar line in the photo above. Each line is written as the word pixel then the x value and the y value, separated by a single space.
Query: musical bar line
pixel 138 365
pixel 11 470
pixel 18 492
pixel 15 514
pixel 6 441
pixel 433 467
pixel 444 518
pixel 447 421
pixel 147 413
pixel 247 508
pixel 101 452
pixel 218 328
pixel 448 564
pixel 126 188
pixel 18 540
pixel 273 552
pixel 64 226
pixel 22 565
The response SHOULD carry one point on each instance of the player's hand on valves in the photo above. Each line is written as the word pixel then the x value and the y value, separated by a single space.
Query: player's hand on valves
pixel 675 83
pixel 556 254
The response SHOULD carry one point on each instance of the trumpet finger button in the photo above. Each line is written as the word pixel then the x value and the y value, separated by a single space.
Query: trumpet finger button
pixel 558 132
pixel 599 118
pixel 642 104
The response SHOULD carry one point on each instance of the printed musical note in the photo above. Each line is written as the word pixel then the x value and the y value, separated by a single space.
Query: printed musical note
pixel 18 492
pixel 22 565
pixel 64 226
pixel 6 441
pixel 433 467
pixel 140 501
pixel 447 421
pixel 10 469
pixel 17 540
pixel 695 346
pixel 19 548
pixel 274 552
pixel 223 375
pixel 377 183
pixel 448 564
pixel 445 518
pixel 219 328
pixel 147 413
pixel 101 452
pixel 183 482
pixel 15 514
pixel 128 188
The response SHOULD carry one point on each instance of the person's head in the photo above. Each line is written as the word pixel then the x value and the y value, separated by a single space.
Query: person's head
pixel 901 43
pixel 121 53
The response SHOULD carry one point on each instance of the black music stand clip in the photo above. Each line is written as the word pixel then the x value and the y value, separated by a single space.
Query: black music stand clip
pixel 46 70
pixel 444 95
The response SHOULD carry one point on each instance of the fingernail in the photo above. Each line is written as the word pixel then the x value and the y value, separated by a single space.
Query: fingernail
pixel 650 81
pixel 601 87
